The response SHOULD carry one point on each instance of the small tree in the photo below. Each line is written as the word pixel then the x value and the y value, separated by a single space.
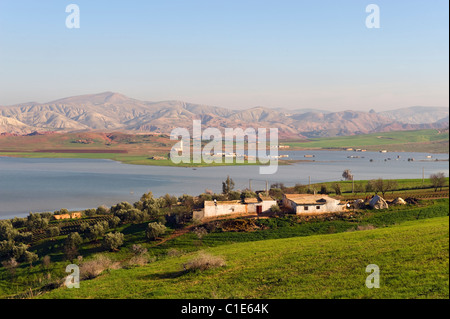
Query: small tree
pixel 170 201
pixel 391 185
pixel 53 232
pixel 383 186
pixel 369 187
pixel 227 185
pixel 96 231
pixel 437 180
pixel 154 230
pixel 30 257
pixel 347 175
pixel 323 189
pixel 114 222
pixel 112 241
pixel 74 239
pixel 359 188
pixel 337 188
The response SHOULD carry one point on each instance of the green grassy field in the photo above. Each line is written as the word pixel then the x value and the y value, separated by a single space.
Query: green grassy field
pixel 414 141
pixel 412 257
pixel 222 242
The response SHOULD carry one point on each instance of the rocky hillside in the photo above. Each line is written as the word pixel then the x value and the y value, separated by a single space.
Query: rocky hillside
pixel 110 111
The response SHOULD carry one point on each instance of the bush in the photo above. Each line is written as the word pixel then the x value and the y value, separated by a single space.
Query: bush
pixel 200 232
pixel 324 190
pixel 112 241
pixel 140 257
pixel 90 212
pixel 154 230
pixel 36 221
pixel 30 257
pixel 275 209
pixel 11 265
pixel 93 268
pixel 138 250
pixel 204 261
pixel 97 230
pixel 7 231
pixel 114 222
pixel 53 232
pixel 73 239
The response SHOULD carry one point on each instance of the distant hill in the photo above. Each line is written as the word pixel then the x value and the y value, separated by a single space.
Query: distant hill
pixel 111 111
pixel 418 114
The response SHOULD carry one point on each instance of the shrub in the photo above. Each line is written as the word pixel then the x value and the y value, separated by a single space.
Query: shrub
pixel 18 222
pixel 93 268
pixel 275 209
pixel 11 265
pixel 114 222
pixel 138 250
pixel 7 231
pixel 154 230
pixel 365 227
pixel 30 257
pixel 204 261
pixel 337 188
pixel 200 232
pixel 112 241
pixel 90 212
pixel 173 252
pixel 73 239
pixel 300 189
pixel 102 210
pixel 97 230
pixel 323 189
pixel 46 262
pixel 52 232
pixel 36 221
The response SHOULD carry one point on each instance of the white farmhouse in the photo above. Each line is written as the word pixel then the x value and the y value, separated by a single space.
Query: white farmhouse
pixel 312 204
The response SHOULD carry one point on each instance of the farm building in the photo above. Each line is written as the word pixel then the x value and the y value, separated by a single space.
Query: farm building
pixel 248 206
pixel 312 204
pixel 68 216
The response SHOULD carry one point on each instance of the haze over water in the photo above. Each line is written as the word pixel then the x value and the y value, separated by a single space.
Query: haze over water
pixel 39 185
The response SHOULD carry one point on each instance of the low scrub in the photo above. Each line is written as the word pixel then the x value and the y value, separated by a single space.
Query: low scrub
pixel 204 261
pixel 93 268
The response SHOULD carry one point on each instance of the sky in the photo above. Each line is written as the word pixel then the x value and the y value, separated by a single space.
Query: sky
pixel 231 53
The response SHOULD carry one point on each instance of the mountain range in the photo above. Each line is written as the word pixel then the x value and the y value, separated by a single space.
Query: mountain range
pixel 111 111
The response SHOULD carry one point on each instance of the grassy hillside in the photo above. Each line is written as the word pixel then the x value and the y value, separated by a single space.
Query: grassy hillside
pixel 413 261
pixel 413 141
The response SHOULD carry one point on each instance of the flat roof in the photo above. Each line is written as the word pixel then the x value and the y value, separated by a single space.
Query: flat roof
pixel 230 202
pixel 266 198
pixel 309 199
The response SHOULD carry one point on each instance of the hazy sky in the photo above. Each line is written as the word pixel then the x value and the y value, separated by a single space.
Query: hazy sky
pixel 230 53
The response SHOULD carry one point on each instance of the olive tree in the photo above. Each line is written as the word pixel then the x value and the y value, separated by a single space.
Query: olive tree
pixel 154 230
pixel 112 241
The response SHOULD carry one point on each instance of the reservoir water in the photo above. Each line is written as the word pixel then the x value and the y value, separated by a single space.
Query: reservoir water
pixel 39 185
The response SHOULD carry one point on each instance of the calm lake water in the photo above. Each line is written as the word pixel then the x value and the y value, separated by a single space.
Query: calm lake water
pixel 39 185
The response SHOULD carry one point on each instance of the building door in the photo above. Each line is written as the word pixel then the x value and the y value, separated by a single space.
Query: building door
pixel 259 209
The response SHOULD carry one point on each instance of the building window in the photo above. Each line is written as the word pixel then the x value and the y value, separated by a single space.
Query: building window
pixel 306 208
pixel 317 207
